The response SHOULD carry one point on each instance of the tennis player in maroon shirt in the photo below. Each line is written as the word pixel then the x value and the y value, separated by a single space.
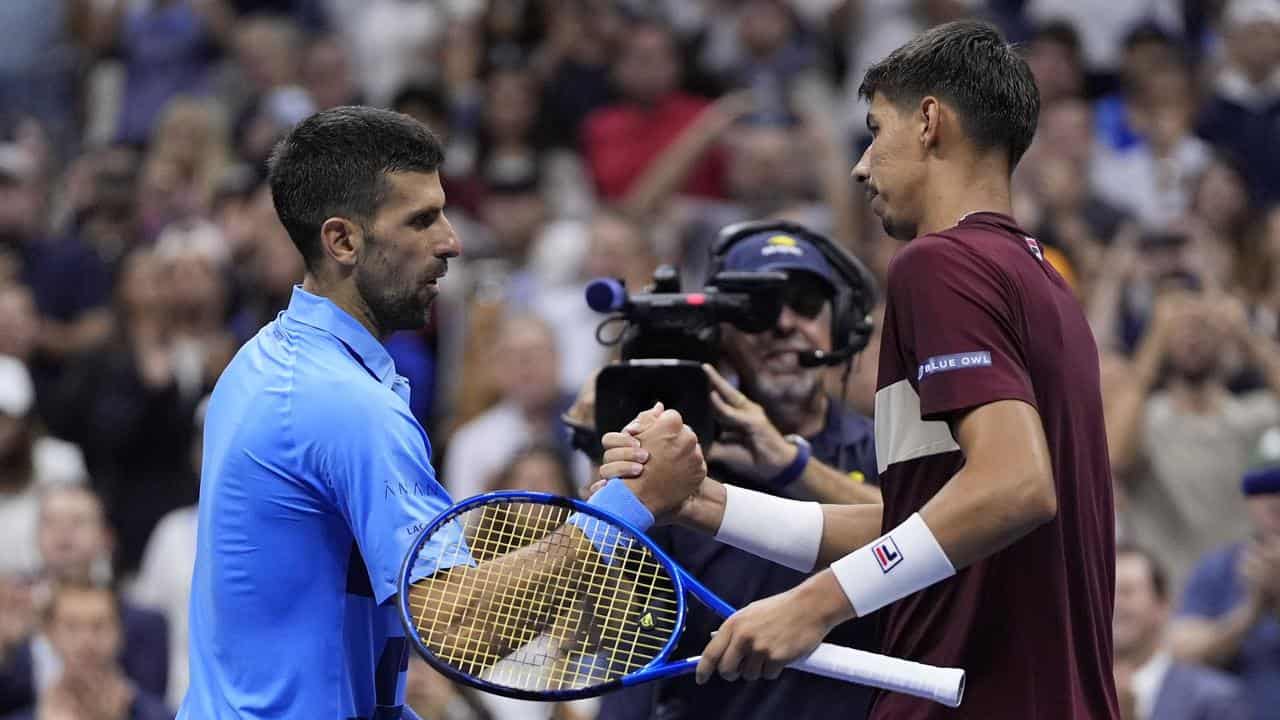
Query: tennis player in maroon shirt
pixel 994 549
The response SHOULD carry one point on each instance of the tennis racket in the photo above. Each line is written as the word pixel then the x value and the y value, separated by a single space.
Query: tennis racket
pixel 565 600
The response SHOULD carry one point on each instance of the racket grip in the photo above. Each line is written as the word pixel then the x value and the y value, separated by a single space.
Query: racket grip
pixel 942 685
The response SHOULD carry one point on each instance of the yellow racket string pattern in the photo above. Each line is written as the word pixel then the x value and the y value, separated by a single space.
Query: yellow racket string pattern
pixel 543 610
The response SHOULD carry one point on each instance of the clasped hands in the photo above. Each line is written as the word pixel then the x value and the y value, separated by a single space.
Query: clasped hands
pixel 760 640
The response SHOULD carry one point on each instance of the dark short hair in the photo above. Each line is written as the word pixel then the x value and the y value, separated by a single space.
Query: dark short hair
pixel 1159 578
pixel 335 163
pixel 968 64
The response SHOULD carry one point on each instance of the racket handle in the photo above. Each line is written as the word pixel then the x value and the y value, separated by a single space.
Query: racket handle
pixel 942 685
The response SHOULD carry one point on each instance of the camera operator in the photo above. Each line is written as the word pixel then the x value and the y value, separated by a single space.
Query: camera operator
pixel 780 433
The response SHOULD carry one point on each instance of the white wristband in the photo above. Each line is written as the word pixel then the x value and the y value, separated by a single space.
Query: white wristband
pixel 906 560
pixel 787 532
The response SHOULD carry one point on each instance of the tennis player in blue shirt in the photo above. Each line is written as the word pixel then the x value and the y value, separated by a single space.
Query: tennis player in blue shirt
pixel 317 477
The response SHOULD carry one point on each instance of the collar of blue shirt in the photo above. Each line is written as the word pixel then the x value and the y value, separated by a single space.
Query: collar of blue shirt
pixel 322 314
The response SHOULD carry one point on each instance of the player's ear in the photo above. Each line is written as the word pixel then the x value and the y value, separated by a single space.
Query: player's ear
pixel 928 120
pixel 342 240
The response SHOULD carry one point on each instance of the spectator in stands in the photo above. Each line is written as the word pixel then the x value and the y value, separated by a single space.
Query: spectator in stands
pixel 19 619
pixel 514 211
pixel 193 263
pixel 1103 25
pixel 125 406
pixel 23 225
pixel 525 365
pixel 1242 114
pixel 1180 448
pixel 1056 62
pixel 327 73
pixel 770 54
pixel 1150 683
pixel 1230 611
pixel 1055 196
pixel 84 625
pixel 573 64
pixel 72 275
pixel 617 247
pixel 169 47
pixel 38 65
pixel 392 41
pixel 1154 179
pixel 268 98
pixel 30 463
pixel 622 140
pixel 508 144
pixel 19 321
pixel 1146 49
pixel 540 467
pixel 270 264
pixel 1220 211
pixel 268 56
pixel 1264 282
pixel 514 141
pixel 75 546
pixel 164 583
pixel 192 136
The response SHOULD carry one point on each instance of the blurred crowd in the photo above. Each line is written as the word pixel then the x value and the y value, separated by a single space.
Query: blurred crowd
pixel 139 248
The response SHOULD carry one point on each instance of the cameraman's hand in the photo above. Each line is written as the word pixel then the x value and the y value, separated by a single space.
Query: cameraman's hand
pixel 756 449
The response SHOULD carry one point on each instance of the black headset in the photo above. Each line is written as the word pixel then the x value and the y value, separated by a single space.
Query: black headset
pixel 855 298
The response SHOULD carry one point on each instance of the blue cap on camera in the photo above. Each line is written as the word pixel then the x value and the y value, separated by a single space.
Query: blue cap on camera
pixel 773 250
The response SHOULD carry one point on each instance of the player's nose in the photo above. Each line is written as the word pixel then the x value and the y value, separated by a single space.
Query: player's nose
pixel 452 246
pixel 862 171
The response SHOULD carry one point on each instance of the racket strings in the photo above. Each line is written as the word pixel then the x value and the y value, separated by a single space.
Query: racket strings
pixel 543 610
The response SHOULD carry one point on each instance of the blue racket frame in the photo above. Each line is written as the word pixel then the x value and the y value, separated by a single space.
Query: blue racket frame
pixel 656 669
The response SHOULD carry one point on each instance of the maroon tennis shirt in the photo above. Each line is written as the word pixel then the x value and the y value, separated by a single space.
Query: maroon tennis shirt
pixel 976 315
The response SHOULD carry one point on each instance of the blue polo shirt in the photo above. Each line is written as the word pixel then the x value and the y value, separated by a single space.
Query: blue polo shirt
pixel 316 479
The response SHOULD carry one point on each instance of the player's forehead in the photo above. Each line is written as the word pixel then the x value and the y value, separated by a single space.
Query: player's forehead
pixel 881 109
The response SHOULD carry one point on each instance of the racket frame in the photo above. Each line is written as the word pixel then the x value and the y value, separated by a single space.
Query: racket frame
pixel 656 668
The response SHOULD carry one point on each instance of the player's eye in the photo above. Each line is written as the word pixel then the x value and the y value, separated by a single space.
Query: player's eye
pixel 422 221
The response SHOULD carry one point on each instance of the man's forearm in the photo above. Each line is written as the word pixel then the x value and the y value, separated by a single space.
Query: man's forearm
pixel 829 485
pixel 974 517
pixel 468 637
pixel 844 527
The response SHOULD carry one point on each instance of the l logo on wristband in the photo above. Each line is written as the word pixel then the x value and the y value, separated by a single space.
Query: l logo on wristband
pixel 887 554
